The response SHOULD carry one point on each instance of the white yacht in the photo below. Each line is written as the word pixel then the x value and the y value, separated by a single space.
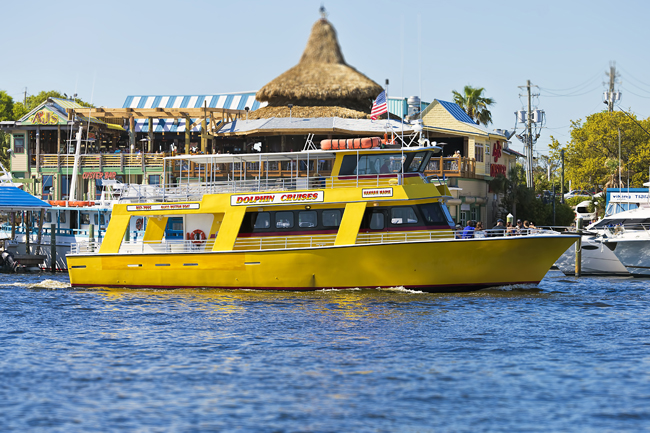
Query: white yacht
pixel 630 240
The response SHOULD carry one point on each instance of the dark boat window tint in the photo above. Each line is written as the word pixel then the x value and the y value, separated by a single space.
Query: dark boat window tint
pixel 433 213
pixel 332 218
pixel 308 218
pixel 403 215
pixel 377 221
pixel 62 216
pixel 379 163
pixel 284 220
pixel 48 217
pixel 261 220
pixel 85 218
pixel 417 161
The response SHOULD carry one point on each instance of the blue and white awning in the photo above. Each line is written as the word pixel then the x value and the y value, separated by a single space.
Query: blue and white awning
pixel 230 101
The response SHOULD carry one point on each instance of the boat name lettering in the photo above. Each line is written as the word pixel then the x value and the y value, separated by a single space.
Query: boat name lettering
pixel 150 207
pixel 377 192
pixel 622 197
pixel 100 175
pixel 249 199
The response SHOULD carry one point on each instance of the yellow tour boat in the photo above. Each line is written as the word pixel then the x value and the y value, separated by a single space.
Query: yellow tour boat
pixel 375 221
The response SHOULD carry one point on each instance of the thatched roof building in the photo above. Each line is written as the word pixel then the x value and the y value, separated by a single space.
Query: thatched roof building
pixel 320 85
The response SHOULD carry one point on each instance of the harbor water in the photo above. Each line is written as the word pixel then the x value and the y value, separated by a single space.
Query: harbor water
pixel 572 354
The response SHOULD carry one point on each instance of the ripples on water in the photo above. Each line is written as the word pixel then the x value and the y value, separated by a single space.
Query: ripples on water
pixel 570 355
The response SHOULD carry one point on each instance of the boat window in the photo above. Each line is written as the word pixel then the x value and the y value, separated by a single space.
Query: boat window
pixel 308 218
pixel 331 218
pixel 419 161
pixel 372 164
pixel 48 217
pixel 433 213
pixel 377 221
pixel 403 215
pixel 284 220
pixel 85 218
pixel 101 219
pixel 261 220
pixel 62 216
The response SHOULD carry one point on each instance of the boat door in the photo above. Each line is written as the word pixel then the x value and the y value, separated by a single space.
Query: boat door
pixel 174 229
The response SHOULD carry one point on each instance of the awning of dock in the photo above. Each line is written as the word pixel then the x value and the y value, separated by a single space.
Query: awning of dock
pixel 13 199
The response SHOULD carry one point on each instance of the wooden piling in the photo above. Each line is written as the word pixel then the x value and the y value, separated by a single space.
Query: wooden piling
pixel 579 224
pixel 53 246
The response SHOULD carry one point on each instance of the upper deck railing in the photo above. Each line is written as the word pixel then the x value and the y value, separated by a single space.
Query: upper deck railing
pixel 437 166
pixel 189 191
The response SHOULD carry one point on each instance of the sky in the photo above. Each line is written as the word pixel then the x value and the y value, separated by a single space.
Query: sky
pixel 106 51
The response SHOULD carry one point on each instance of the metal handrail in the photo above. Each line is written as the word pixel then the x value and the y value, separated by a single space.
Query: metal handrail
pixel 288 242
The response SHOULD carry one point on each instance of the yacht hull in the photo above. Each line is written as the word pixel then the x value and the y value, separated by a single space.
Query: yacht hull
pixel 436 266
pixel 634 254
pixel 597 259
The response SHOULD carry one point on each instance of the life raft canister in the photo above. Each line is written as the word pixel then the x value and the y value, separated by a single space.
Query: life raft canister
pixel 350 143
pixel 197 237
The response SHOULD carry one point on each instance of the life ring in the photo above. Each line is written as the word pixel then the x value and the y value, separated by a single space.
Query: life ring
pixel 197 237
pixel 138 224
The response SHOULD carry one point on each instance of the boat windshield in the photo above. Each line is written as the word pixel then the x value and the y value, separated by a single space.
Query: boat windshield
pixel 384 163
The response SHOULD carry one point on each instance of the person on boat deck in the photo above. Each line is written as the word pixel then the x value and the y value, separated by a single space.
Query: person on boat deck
pixel 498 230
pixel 468 231
pixel 459 231
pixel 479 232
pixel 385 168
pixel 510 230
pixel 519 228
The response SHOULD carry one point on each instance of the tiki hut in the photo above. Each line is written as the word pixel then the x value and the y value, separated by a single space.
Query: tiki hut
pixel 320 85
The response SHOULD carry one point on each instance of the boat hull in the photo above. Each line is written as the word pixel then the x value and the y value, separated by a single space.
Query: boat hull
pixel 634 254
pixel 435 266
pixel 597 259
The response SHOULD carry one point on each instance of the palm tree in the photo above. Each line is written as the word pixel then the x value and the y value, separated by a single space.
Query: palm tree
pixel 474 104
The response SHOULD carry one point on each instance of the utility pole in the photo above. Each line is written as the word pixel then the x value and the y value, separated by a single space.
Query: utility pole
pixel 529 136
pixel 25 97
pixel 612 95
pixel 561 178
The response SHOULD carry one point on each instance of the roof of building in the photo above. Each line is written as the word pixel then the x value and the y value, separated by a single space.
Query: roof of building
pixel 316 125
pixel 232 101
pixel 15 199
pixel 321 77
pixel 461 116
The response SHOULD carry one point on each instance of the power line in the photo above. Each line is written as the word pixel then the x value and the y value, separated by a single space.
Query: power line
pixel 634 78
pixel 584 84
pixel 629 91
pixel 569 95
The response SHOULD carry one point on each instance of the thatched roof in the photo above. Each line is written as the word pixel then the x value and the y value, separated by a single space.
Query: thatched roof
pixel 321 77
pixel 300 111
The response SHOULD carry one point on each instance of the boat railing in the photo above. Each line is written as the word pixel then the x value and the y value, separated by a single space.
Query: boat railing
pixel 285 242
pixel 186 191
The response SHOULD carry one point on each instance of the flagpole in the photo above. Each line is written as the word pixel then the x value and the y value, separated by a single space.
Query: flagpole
pixel 388 112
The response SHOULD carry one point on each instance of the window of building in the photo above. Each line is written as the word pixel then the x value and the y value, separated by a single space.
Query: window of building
pixel 154 179
pixel 47 186
pixel 331 218
pixel 478 152
pixel 308 218
pixel 19 143
pixel 284 220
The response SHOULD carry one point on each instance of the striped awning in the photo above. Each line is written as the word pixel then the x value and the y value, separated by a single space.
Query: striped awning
pixel 233 101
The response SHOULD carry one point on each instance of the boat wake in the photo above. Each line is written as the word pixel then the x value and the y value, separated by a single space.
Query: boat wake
pixel 48 284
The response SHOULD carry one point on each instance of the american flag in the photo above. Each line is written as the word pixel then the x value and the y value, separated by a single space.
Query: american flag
pixel 379 107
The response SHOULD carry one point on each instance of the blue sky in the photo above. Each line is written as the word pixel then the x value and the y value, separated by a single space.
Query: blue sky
pixel 106 51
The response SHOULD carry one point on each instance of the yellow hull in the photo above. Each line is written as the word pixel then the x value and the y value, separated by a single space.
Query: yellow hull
pixel 439 266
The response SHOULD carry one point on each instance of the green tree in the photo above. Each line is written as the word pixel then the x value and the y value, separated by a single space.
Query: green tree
pixel 33 101
pixel 6 110
pixel 592 155
pixel 475 104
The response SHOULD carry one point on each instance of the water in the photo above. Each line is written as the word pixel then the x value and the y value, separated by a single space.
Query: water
pixel 570 355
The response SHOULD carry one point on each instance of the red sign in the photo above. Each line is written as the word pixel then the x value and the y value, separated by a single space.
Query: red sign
pixel 497 169
pixel 496 151
pixel 99 175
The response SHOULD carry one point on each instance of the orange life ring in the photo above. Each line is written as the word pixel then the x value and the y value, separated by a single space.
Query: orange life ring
pixel 197 237
pixel 138 224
